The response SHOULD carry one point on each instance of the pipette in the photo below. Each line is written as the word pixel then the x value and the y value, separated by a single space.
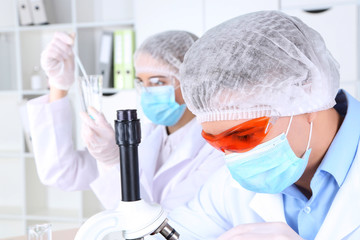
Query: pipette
pixel 81 66
pixel 82 69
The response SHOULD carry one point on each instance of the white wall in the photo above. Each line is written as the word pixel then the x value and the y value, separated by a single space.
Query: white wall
pixel 216 12
pixel 160 15
pixel 339 28
pixel 339 25
pixel 196 16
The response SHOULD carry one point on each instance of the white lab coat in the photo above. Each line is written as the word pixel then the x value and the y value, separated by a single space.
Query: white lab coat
pixel 60 165
pixel 223 204
pixel 184 172
pixel 57 162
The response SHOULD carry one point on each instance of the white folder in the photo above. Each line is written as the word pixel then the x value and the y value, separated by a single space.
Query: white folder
pixel 105 61
pixel 24 13
pixel 38 12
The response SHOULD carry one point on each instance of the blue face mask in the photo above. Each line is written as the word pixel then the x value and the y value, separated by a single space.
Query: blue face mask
pixel 270 167
pixel 159 105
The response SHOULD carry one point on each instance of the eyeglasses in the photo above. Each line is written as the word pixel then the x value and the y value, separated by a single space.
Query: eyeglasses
pixel 155 81
pixel 243 137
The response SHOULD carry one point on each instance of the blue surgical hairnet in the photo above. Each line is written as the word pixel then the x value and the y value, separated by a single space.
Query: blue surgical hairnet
pixel 163 53
pixel 259 64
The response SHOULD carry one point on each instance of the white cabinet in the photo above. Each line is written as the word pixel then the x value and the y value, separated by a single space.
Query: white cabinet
pixel 11 188
pixel 8 60
pixel 11 227
pixel 338 25
pixel 7 16
pixel 153 16
pixel 216 12
pixel 11 135
pixel 24 200
pixel 305 4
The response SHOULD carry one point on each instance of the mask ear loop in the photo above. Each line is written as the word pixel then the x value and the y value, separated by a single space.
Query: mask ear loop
pixel 310 134
pixel 287 131
pixel 174 80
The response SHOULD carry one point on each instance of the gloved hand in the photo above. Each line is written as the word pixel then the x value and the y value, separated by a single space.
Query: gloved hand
pixel 99 138
pixel 261 231
pixel 57 60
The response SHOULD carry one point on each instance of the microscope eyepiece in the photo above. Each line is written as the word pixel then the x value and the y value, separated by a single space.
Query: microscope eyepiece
pixel 126 115
pixel 127 128
pixel 128 137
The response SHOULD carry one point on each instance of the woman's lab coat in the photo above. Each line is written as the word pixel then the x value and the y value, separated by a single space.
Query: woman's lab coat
pixel 177 180
pixel 59 164
pixel 227 207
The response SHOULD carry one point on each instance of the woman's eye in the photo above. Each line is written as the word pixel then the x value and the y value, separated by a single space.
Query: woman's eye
pixel 159 83
pixel 154 80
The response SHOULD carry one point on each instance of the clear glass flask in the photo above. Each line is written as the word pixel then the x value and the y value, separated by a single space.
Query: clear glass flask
pixel 91 91
pixel 40 232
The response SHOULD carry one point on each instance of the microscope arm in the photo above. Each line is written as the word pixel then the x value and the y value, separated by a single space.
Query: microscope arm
pixel 135 219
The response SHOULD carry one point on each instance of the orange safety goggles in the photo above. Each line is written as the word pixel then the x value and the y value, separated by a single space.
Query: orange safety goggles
pixel 242 137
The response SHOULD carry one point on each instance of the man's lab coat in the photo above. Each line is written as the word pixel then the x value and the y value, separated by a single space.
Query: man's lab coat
pixel 223 204
pixel 60 165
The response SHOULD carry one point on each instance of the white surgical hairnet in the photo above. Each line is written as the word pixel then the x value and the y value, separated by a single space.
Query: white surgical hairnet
pixel 163 53
pixel 259 64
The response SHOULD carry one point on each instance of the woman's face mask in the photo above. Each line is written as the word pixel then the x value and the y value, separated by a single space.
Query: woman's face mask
pixel 158 100
pixel 269 167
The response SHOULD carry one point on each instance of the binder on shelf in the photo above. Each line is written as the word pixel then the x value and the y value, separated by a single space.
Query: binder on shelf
pixel 124 46
pixel 129 48
pixel 105 64
pixel 118 60
pixel 38 12
pixel 24 13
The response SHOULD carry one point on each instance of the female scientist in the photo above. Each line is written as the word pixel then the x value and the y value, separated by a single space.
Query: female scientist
pixel 265 89
pixel 174 159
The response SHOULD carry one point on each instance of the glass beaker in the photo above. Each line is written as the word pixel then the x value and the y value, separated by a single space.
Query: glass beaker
pixel 40 232
pixel 91 91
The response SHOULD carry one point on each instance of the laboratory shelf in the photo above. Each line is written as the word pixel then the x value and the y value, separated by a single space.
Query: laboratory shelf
pixel 7 29
pixel 105 24
pixel 34 92
pixel 11 217
pixel 110 90
pixel 47 27
pixel 64 26
pixel 10 154
pixel 28 155
pixel 8 92
pixel 11 211
pixel 24 199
